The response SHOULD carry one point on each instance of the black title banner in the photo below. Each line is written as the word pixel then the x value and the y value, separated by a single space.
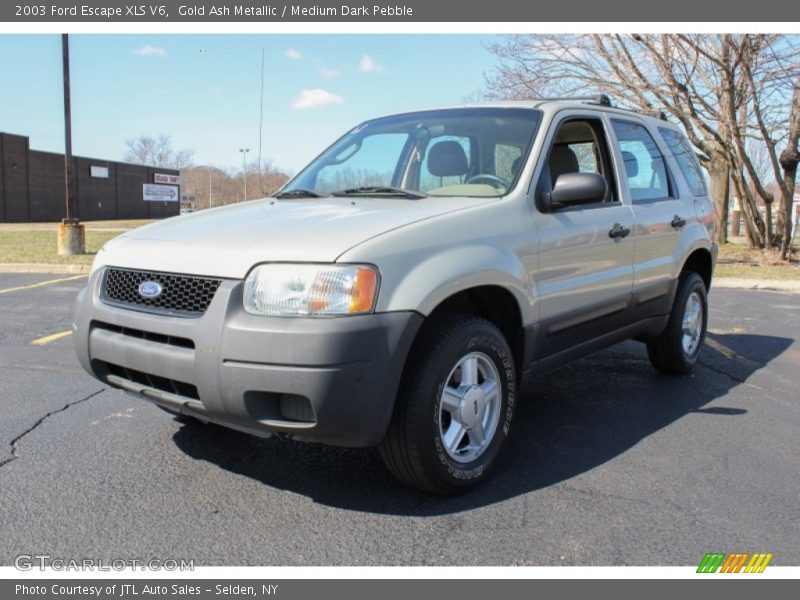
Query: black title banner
pixel 394 11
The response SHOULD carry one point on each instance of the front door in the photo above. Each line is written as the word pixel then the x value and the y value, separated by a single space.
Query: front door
pixel 585 275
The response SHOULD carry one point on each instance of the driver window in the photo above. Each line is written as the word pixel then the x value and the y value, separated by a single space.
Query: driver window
pixel 579 147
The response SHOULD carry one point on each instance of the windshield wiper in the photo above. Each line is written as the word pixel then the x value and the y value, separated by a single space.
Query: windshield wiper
pixel 298 193
pixel 380 190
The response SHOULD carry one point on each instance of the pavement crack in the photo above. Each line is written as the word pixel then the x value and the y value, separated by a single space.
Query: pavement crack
pixel 716 369
pixel 13 444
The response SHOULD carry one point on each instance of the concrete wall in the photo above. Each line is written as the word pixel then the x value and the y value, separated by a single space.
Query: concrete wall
pixel 32 187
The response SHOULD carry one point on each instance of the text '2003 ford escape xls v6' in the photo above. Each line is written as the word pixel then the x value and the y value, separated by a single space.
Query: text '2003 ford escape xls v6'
pixel 404 286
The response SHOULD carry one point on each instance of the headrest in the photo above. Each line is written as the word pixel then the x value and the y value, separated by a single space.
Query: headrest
pixel 562 160
pixel 631 164
pixel 447 159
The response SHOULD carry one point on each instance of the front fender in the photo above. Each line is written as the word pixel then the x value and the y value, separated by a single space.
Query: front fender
pixel 434 279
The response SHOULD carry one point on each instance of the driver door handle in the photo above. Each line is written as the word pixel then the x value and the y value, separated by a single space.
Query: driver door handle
pixel 618 231
pixel 678 222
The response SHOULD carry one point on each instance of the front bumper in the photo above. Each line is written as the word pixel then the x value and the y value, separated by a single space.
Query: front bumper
pixel 331 380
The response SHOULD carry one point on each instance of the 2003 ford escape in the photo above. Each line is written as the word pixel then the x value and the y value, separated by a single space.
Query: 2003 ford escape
pixel 404 286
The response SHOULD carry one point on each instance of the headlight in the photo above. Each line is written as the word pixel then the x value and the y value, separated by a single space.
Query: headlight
pixel 283 289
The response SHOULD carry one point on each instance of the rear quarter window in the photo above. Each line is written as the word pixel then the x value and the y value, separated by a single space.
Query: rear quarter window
pixel 687 160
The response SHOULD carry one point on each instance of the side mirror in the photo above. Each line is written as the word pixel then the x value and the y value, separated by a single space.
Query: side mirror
pixel 575 188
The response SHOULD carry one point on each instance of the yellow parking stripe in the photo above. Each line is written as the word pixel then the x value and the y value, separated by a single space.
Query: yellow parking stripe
pixel 42 283
pixel 51 338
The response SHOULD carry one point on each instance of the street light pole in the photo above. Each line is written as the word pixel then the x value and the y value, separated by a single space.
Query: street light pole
pixel 71 238
pixel 244 152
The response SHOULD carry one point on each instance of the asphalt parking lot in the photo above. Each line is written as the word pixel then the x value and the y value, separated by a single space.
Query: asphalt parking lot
pixel 609 463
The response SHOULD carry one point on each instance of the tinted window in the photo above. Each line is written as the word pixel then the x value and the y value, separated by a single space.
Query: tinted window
pixel 645 169
pixel 687 161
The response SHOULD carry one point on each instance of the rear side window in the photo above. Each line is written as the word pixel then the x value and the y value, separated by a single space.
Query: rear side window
pixel 645 169
pixel 687 161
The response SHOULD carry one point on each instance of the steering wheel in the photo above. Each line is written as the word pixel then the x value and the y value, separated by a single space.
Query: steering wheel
pixel 492 180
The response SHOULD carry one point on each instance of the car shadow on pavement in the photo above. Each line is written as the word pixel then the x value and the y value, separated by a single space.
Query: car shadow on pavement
pixel 567 423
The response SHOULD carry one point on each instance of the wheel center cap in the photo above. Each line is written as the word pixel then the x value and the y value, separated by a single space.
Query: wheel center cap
pixel 472 405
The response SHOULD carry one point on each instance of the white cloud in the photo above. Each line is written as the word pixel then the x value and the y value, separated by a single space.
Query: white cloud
pixel 368 65
pixel 315 98
pixel 329 74
pixel 149 51
pixel 293 54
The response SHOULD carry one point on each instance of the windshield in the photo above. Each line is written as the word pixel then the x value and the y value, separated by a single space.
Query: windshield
pixel 452 152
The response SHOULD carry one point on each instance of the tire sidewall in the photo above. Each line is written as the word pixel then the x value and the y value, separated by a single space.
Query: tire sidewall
pixel 691 284
pixel 475 337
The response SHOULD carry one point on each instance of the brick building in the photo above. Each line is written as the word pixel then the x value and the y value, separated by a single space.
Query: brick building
pixel 32 186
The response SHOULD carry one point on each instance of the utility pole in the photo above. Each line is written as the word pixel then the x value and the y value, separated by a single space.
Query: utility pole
pixel 244 152
pixel 71 235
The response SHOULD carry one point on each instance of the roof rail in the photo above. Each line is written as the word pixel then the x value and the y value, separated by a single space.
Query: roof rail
pixel 658 114
pixel 598 99
pixel 604 100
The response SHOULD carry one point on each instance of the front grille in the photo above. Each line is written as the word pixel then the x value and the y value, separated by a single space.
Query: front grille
pixel 182 295
pixel 172 386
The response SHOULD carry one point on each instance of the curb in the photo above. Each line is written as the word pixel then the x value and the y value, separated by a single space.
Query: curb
pixel 767 285
pixel 43 268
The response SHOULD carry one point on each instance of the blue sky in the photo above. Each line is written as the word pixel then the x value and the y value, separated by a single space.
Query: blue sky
pixel 203 90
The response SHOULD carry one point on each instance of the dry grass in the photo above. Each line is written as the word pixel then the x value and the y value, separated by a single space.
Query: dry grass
pixel 36 242
pixel 737 260
pixel 39 246
pixel 122 225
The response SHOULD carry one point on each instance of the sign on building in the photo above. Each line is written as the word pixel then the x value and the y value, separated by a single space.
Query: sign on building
pixel 97 171
pixel 165 178
pixel 154 192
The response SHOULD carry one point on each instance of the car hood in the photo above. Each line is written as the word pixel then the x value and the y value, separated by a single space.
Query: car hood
pixel 228 241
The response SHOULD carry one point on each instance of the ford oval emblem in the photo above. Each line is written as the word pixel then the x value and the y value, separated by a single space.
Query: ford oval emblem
pixel 150 289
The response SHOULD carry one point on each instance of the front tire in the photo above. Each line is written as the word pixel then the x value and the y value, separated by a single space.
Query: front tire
pixel 677 349
pixel 455 406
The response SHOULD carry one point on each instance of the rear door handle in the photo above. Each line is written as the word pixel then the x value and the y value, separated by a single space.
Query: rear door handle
pixel 618 231
pixel 678 222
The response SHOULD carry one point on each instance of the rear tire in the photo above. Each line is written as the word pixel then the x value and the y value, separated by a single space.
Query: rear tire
pixel 454 408
pixel 677 349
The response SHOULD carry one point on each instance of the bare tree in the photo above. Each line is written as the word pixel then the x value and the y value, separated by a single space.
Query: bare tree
pixel 215 186
pixel 715 86
pixel 157 152
pixel 789 159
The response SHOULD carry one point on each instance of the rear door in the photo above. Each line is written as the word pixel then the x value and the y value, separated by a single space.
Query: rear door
pixel 660 214
pixel 585 276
